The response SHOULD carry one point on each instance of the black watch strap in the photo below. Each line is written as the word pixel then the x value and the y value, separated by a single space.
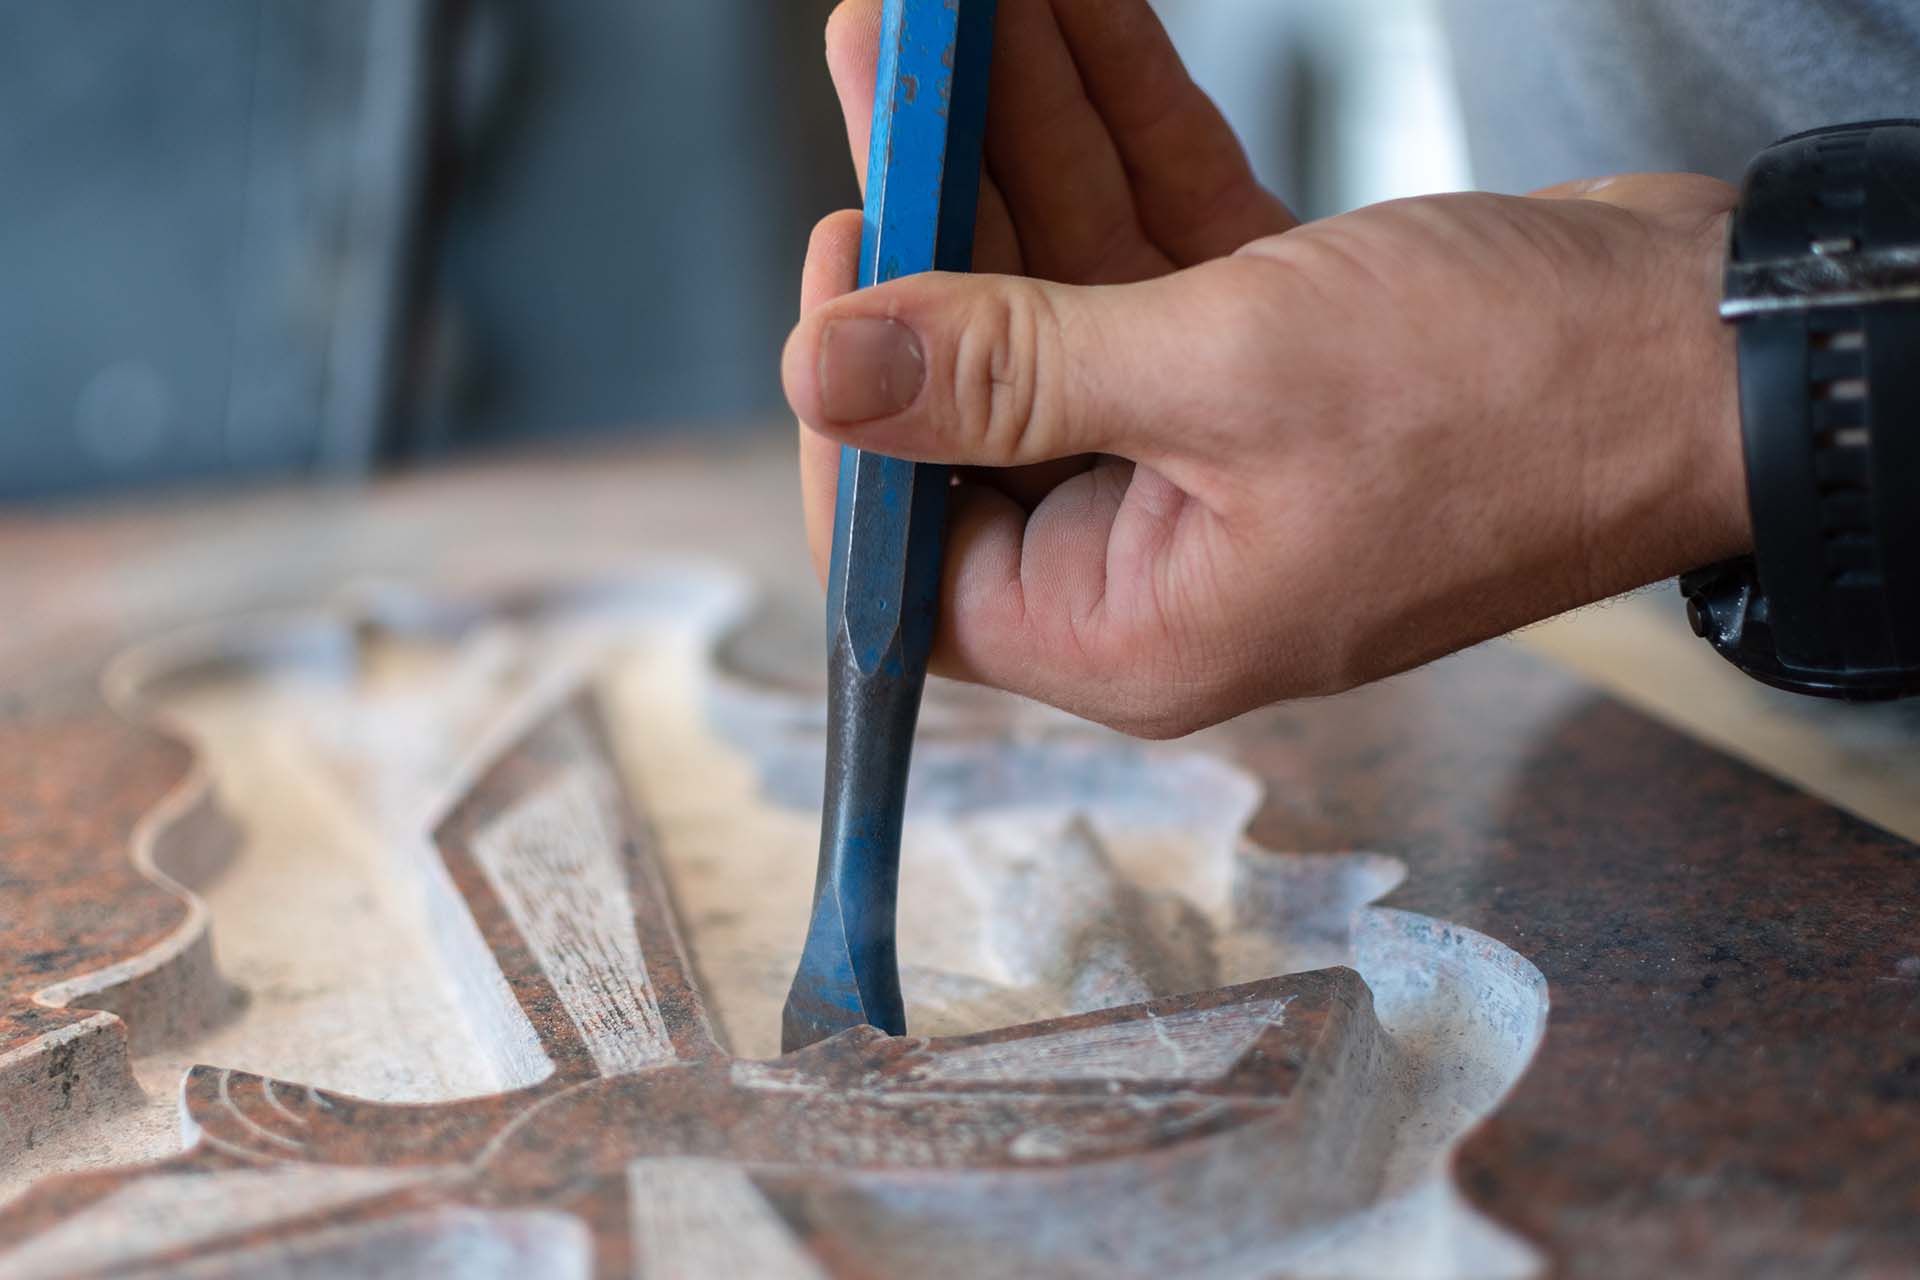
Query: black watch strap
pixel 1823 285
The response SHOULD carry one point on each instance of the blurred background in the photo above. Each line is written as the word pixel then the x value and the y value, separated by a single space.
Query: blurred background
pixel 261 240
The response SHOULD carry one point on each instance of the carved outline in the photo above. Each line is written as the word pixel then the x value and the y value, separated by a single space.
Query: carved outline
pixel 132 679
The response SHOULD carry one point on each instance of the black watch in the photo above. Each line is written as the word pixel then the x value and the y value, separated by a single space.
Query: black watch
pixel 1823 285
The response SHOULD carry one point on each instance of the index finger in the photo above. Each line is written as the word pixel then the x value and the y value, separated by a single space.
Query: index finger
pixel 853 57
pixel 833 265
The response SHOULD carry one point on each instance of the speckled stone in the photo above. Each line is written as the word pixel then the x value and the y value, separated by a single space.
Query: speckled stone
pixel 74 782
pixel 1083 1133
pixel 1730 1080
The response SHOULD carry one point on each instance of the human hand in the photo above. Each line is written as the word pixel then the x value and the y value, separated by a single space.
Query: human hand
pixel 1254 461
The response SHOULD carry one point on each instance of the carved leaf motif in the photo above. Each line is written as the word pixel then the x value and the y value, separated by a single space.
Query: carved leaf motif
pixel 636 1145
pixel 563 882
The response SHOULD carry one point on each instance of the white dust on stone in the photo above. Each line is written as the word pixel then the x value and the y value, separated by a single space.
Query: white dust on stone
pixel 707 1218
pixel 556 862
pixel 155 1216
pixel 1196 1046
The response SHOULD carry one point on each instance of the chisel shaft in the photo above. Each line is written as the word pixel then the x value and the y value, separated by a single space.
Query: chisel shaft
pixel 923 187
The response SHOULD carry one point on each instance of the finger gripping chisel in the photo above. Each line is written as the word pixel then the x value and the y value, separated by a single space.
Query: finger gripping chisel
pixel 923 190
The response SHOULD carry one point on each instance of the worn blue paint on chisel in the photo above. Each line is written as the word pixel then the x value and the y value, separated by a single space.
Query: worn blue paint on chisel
pixel 923 188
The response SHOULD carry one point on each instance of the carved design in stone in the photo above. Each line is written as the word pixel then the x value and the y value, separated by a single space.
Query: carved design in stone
pixel 1160 1120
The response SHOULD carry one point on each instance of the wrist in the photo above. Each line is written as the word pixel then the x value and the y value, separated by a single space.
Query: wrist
pixel 1714 522
pixel 1667 478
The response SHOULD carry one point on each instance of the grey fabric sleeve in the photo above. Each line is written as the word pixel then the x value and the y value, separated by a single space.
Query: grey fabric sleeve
pixel 1560 89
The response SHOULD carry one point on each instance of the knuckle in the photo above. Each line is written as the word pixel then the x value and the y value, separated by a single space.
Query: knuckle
pixel 824 231
pixel 1000 392
pixel 1167 708
pixel 852 40
pixel 1168 724
pixel 842 22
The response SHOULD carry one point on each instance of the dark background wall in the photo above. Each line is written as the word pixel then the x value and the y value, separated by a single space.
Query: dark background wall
pixel 267 237
pixel 631 244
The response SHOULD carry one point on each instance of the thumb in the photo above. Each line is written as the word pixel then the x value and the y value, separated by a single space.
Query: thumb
pixel 1003 371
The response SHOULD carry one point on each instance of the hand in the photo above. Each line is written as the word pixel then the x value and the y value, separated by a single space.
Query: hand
pixel 1261 461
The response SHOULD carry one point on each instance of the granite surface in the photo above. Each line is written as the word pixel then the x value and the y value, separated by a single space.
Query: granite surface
pixel 1730 1080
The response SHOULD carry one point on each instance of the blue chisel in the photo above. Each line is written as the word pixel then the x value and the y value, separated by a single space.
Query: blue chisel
pixel 923 189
